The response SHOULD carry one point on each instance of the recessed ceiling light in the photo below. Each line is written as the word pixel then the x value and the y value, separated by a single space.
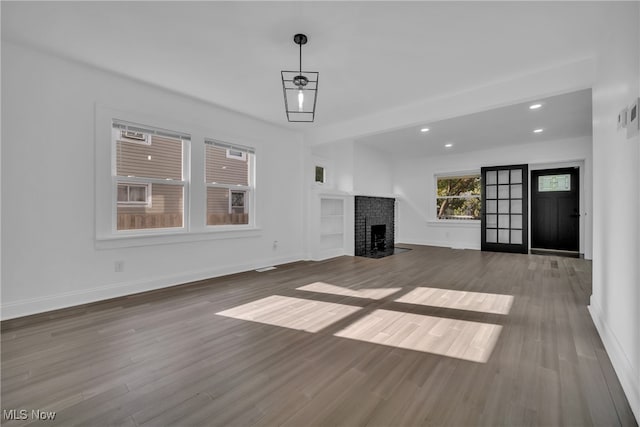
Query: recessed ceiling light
pixel 424 130
pixel 538 130
pixel 449 145
pixel 534 106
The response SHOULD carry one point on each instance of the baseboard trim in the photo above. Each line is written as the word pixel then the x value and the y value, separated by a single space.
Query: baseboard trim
pixel 440 244
pixel 621 364
pixel 30 306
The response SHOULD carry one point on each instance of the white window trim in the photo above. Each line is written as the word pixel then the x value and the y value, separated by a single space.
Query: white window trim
pixel 250 190
pixel 195 229
pixel 184 183
pixel 433 218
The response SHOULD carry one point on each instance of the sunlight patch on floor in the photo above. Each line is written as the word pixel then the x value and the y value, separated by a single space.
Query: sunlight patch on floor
pixel 369 293
pixel 460 339
pixel 293 313
pixel 460 300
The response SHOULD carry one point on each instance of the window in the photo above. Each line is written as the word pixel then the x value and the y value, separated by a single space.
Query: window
pixel 237 202
pixel 229 181
pixel 236 154
pixel 458 197
pixel 148 177
pixel 134 194
pixel 320 175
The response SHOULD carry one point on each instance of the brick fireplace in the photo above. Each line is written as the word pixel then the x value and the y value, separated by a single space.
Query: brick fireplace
pixel 374 226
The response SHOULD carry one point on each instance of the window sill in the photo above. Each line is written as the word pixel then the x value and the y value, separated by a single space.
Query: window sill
pixel 170 237
pixel 466 223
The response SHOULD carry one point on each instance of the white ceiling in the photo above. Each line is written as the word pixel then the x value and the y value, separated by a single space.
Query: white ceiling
pixel 371 56
pixel 560 117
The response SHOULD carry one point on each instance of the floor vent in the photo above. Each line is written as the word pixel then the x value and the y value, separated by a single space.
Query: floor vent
pixel 261 270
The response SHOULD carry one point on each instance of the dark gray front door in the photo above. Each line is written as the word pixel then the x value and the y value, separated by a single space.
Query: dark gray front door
pixel 555 215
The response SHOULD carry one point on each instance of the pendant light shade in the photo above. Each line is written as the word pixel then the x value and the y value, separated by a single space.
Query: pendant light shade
pixel 300 89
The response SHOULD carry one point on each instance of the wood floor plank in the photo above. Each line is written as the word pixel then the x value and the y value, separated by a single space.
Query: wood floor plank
pixel 432 336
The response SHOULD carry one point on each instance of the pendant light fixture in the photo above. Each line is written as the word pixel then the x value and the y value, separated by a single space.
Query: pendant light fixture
pixel 300 89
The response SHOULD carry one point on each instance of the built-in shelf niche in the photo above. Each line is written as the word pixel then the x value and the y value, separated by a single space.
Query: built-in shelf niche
pixel 331 223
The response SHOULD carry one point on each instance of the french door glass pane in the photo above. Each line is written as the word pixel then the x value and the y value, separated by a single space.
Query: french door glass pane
pixel 516 176
pixel 516 221
pixel 492 235
pixel 503 191
pixel 503 221
pixel 492 192
pixel 492 206
pixel 516 191
pixel 516 237
pixel 516 206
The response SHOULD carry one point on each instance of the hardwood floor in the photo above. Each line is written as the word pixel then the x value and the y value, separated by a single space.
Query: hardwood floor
pixel 347 341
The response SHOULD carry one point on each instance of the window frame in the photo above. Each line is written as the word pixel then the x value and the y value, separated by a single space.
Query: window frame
pixel 116 180
pixel 249 154
pixel 449 175
pixel 194 230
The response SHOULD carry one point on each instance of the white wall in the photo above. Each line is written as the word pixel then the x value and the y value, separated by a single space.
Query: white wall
pixel 50 258
pixel 415 187
pixel 615 303
pixel 372 170
pixel 338 157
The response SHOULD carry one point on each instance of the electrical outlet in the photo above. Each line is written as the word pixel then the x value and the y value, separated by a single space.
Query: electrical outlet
pixel 118 266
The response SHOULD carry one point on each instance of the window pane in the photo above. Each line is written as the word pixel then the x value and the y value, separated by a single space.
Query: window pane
pixel 516 206
pixel 503 177
pixel 492 206
pixel 554 183
pixel 123 193
pixel 164 211
pixel 224 169
pixel 162 158
pixel 137 193
pixel 516 221
pixel 492 178
pixel 220 209
pixel 459 186
pixel 516 176
pixel 503 191
pixel 516 237
pixel 516 191
pixel 463 208
pixel 319 174
pixel 492 236
pixel 492 192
